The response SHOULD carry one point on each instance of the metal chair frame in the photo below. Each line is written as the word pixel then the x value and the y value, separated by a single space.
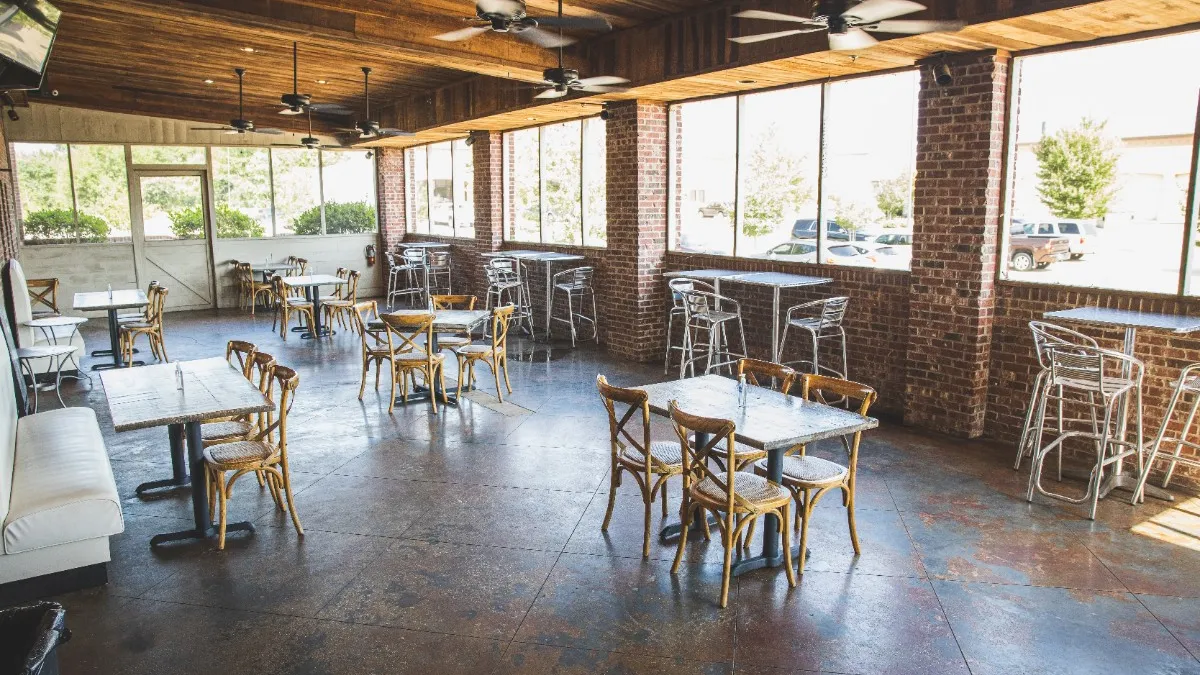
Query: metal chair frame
pixel 575 283
pixel 507 277
pixel 1046 335
pixel 676 286
pixel 413 271
pixel 703 314
pixel 822 319
pixel 1189 383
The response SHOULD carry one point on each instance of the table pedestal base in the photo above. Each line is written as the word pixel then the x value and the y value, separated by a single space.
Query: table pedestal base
pixel 110 366
pixel 210 531
pixel 758 562
pixel 1128 483
pixel 168 485
pixel 179 469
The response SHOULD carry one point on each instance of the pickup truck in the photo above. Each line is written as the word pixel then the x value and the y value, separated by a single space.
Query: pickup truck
pixel 1025 252
pixel 1080 235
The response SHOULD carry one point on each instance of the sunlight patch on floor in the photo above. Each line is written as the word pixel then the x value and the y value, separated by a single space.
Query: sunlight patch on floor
pixel 1179 525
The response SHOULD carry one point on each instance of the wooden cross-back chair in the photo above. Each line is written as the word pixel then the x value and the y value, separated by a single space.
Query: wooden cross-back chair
pixel 453 341
pixel 738 498
pixel 43 293
pixel 286 306
pixel 151 327
pixel 258 370
pixel 376 342
pixel 340 306
pixel 650 462
pixel 410 357
pixel 495 355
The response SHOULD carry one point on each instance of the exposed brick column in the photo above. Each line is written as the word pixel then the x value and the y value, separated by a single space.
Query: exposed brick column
pixel 956 212
pixel 393 212
pixel 488 155
pixel 10 232
pixel 633 296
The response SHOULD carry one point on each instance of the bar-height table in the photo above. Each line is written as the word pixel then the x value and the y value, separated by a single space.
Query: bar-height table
pixel 312 285
pixel 1131 321
pixel 142 398
pixel 427 245
pixel 444 321
pixel 548 259
pixel 110 302
pixel 770 421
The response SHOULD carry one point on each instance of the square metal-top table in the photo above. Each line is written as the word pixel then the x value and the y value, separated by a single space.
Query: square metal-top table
pixel 444 321
pixel 770 421
pixel 140 398
pixel 1131 321
pixel 311 284
pixel 270 268
pixel 111 302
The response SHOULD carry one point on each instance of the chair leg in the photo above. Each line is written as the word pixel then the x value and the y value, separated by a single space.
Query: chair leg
pixel 504 361
pixel 667 356
pixel 496 374
pixel 291 500
pixel 685 518
pixel 786 529
pixel 726 570
pixel 850 520
pixel 804 530
pixel 614 480
pixel 664 498
pixel 648 506
pixel 1027 430
pixel 392 396
pixel 223 496
pixel 429 380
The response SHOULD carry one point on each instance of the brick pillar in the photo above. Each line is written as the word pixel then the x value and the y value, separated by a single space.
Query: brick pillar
pixel 10 231
pixel 393 212
pixel 488 155
pixel 634 297
pixel 956 212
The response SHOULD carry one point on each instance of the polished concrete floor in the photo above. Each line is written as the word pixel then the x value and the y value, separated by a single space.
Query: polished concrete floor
pixel 470 542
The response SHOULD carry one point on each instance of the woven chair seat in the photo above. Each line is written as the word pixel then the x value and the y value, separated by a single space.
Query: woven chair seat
pixel 239 453
pixel 477 350
pixel 228 429
pixel 336 302
pixel 666 452
pixel 298 302
pixel 758 491
pixel 137 325
pixel 453 341
pixel 417 357
pixel 812 471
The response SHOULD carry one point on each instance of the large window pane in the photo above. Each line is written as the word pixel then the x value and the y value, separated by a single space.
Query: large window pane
pixel 101 189
pixel 297 180
pixel 348 179
pixel 172 207
pixel 704 175
pixel 1100 165
pixel 595 197
pixel 242 183
pixel 44 183
pixel 441 184
pixel 167 154
pixel 464 189
pixel 524 192
pixel 418 162
pixel 870 154
pixel 781 159
pixel 561 176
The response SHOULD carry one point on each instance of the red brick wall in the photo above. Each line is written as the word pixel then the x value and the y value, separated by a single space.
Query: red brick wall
pixel 393 213
pixel 956 212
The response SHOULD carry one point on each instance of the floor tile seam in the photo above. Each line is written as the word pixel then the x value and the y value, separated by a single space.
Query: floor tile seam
pixel 357 575
pixel 1167 628
pixel 1083 542
pixel 450 482
pixel 950 625
pixel 912 542
pixel 965 582
pixel 401 537
pixel 533 643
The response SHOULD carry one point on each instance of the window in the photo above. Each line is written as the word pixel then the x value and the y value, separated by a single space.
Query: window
pixel 1101 157
pixel 296 180
pixel 348 192
pixel 242 191
pixel 441 189
pixel 419 163
pixel 76 193
pixel 555 183
pixel 745 171
pixel 464 189
pixel 167 154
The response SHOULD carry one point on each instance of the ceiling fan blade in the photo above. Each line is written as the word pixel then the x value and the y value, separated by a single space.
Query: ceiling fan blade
pixel 329 108
pixel 462 34
pixel 913 27
pixel 269 130
pixel 750 39
pixel 855 38
pixel 395 132
pixel 290 111
pixel 602 80
pixel 230 132
pixel 870 11
pixel 210 129
pixel 503 7
pixel 551 93
pixel 575 22
pixel 544 39
pixel 602 89
pixel 776 16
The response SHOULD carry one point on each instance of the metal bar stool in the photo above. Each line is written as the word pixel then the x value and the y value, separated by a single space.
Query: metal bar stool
pixel 507 285
pixel 1189 383
pixel 1087 374
pixel 822 319
pixel 412 270
pixel 576 284
pixel 438 269
pixel 708 314
pixel 1045 336
pixel 676 287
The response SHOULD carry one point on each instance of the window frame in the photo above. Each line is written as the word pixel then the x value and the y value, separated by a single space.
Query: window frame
pixel 410 208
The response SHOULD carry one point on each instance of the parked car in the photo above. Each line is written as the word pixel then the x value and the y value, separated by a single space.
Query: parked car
pixel 847 254
pixel 892 256
pixel 1080 234
pixel 1026 253
pixel 893 238
pixel 793 251
pixel 806 228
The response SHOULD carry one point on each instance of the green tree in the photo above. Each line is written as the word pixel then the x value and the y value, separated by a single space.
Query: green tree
pixel 1077 169
pixel 346 218
pixel 893 196
pixel 61 225
pixel 851 215
pixel 775 185
pixel 231 224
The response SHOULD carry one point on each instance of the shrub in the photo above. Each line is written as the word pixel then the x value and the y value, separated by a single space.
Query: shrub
pixel 340 218
pixel 61 224
pixel 231 224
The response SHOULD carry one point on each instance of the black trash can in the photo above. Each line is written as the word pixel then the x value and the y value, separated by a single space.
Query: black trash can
pixel 29 637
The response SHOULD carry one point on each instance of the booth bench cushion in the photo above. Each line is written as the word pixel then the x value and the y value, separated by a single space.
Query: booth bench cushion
pixel 62 484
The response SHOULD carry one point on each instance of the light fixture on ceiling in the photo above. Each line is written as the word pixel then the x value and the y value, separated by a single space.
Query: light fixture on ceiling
pixel 747 81
pixel 248 50
pixel 470 140
pixel 531 119
pixel 322 81
pixel 208 82
pixel 941 72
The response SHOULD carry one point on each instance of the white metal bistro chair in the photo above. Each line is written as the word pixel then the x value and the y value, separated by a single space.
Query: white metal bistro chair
pixel 507 285
pixel 822 320
pixel 709 318
pixel 1188 384
pixel 576 285
pixel 677 310
pixel 1045 336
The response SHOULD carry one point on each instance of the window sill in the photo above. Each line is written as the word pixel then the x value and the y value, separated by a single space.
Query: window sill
pixel 788 263
pixel 1064 288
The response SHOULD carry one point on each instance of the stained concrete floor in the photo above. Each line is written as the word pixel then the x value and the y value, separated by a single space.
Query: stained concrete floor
pixel 470 542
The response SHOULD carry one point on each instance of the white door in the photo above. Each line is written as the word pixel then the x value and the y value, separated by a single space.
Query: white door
pixel 171 235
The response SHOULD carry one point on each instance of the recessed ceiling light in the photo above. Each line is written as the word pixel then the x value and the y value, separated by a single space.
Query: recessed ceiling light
pixel 531 119
pixel 747 81
pixel 322 81
pixel 208 82
pixel 248 50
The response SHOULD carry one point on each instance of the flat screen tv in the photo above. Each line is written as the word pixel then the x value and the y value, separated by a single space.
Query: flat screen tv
pixel 27 30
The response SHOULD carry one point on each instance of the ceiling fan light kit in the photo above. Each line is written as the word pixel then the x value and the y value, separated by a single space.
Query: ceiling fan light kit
pixel 241 125
pixel 511 17
pixel 849 24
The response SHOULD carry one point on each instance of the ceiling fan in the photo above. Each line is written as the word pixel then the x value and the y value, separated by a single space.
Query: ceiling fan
pixel 241 125
pixel 563 81
pixel 311 142
pixel 509 16
pixel 369 128
pixel 297 103
pixel 849 23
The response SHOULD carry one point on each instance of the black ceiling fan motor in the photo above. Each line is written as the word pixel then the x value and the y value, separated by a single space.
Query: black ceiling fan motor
pixel 560 75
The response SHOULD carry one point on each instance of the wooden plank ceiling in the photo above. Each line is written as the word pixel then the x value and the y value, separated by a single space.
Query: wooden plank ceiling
pixel 153 56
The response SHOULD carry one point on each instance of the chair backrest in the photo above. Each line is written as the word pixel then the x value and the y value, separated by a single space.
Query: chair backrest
pixel 390 258
pixel 753 369
pixel 697 302
pixel 303 264
pixel 341 272
pixel 350 289
pixel 696 456
pixel 281 381
pixel 158 304
pixel 578 278
pixel 410 328
pixel 17 303
pixel 453 301
pixel 372 339
pixel 504 269
pixel 501 320
pixel 281 291
pixel 44 293
pixel 682 284
pixel 1047 335
pixel 439 259
pixel 1091 369
pixel 240 354
pixel 414 256
pixel 259 370
pixel 824 389
pixel 637 401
